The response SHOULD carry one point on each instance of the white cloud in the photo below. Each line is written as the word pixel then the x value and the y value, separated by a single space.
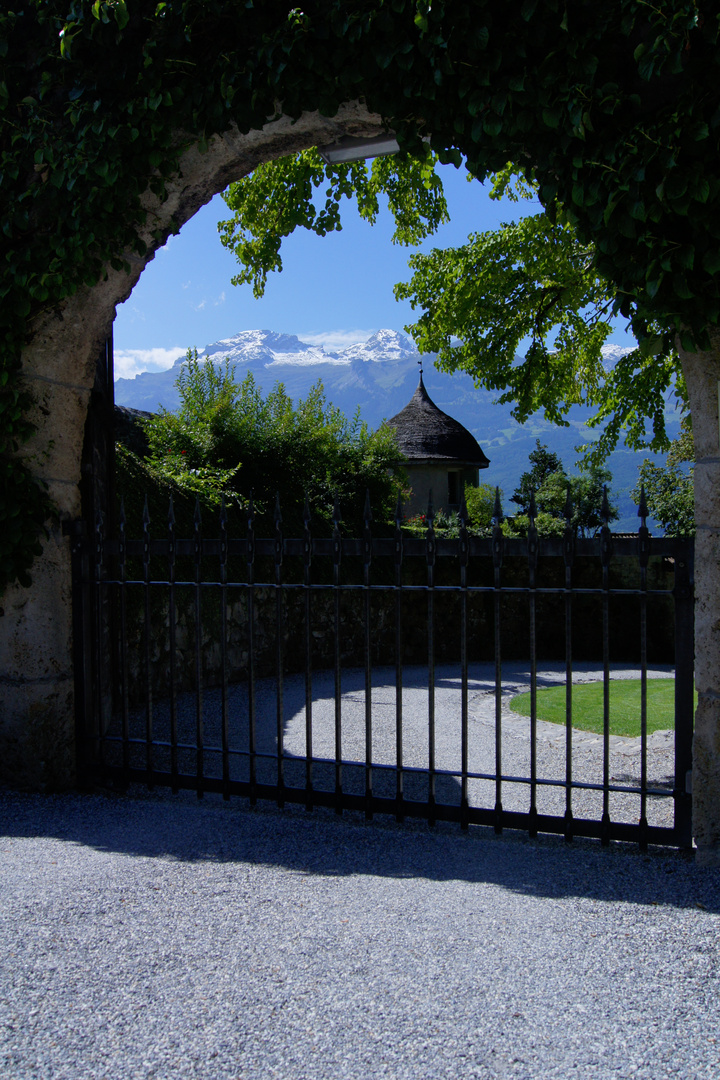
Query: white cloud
pixel 131 362
pixel 336 340
pixel 220 299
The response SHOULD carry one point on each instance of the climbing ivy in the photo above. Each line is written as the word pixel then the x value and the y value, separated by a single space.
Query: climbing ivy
pixel 613 108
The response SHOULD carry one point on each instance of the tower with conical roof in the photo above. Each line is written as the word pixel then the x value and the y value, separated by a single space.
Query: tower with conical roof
pixel 442 455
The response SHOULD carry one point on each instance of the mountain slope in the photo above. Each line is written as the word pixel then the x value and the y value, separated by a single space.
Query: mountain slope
pixel 378 377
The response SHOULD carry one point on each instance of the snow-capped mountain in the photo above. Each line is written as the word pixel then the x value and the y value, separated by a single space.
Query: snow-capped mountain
pixel 359 376
pixel 384 347
pixel 378 377
pixel 263 347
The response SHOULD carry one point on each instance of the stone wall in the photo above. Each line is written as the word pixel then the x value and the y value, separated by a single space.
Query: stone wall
pixel 515 641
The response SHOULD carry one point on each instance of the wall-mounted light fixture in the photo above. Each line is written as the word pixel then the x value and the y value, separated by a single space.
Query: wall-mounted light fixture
pixel 350 149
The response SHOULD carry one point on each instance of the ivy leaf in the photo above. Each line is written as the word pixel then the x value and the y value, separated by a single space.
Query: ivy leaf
pixel 711 261
pixel 699 130
pixel 120 11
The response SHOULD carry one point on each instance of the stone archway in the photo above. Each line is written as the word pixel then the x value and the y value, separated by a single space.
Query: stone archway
pixel 36 665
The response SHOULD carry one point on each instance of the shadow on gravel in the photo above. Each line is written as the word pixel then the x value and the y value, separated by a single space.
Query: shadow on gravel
pixel 178 828
pixel 624 762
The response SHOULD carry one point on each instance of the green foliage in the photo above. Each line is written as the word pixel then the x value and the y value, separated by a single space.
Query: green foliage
pixel 535 280
pixel 586 498
pixel 669 496
pixel 446 524
pixel 546 525
pixel 544 464
pixel 185 447
pixel 683 447
pixel 24 506
pixel 480 502
pixel 611 108
pixel 669 491
pixel 136 480
pixel 279 197
pixel 227 439
pixel 552 488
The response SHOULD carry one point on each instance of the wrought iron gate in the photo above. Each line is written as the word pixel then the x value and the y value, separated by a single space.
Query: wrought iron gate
pixel 371 673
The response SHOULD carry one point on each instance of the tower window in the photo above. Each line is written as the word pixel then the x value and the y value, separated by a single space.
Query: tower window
pixel 453 488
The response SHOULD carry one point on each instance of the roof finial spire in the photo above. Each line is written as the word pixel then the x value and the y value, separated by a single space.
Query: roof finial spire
pixel 421 369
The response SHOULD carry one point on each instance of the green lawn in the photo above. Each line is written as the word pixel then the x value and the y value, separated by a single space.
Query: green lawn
pixel 587 705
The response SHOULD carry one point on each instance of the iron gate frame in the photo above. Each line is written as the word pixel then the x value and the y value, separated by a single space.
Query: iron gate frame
pixel 93 556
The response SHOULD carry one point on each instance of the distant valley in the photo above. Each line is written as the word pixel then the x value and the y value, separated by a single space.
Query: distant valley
pixel 378 377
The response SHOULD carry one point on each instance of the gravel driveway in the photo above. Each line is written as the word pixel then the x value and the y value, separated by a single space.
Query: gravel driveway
pixel 147 936
pixel 587 748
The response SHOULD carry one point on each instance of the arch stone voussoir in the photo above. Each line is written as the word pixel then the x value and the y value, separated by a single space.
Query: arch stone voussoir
pixel 37 726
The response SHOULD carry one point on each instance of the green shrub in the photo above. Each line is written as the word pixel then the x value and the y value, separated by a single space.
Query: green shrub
pixel 227 439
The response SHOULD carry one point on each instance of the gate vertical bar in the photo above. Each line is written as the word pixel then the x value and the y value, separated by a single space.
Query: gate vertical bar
pixel 307 560
pixel 683 593
pixel 224 716
pixel 430 556
pixel 149 763
pixel 399 785
pixel 463 556
pixel 173 649
pixel 643 556
pixel 99 638
pixel 123 668
pixel 82 629
pixel 367 558
pixel 279 654
pixel 532 540
pixel 498 546
pixel 250 562
pixel 605 556
pixel 337 555
pixel 569 556
pixel 199 732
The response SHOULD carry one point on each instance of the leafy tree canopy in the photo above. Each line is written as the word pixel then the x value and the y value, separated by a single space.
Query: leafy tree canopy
pixel 668 488
pixel 535 280
pixel 669 497
pixel 560 498
pixel 544 464
pixel 281 195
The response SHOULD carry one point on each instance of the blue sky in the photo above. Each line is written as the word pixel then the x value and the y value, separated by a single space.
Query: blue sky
pixel 333 290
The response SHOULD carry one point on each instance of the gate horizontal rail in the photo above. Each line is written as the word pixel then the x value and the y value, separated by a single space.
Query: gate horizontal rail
pixel 198 662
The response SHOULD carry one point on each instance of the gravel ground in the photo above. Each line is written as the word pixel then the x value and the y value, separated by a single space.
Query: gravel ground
pixel 146 936
pixel 587 754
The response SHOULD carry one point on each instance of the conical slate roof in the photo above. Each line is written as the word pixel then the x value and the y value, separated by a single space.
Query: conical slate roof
pixel 425 433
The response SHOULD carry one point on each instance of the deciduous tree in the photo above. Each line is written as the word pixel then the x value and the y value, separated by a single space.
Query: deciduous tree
pixel 669 488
